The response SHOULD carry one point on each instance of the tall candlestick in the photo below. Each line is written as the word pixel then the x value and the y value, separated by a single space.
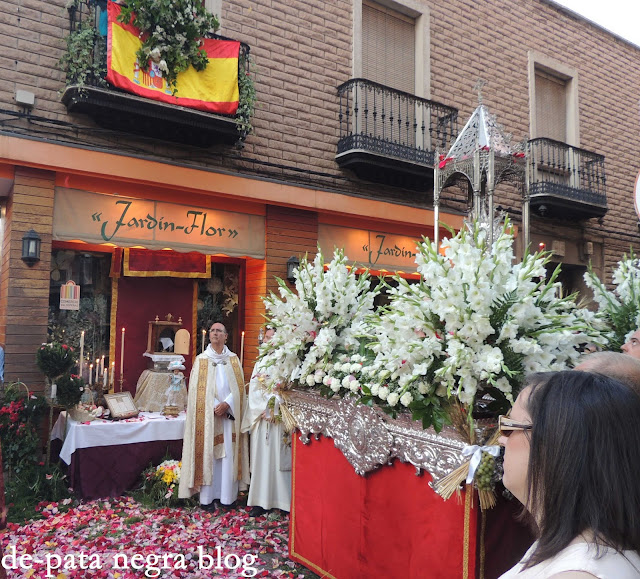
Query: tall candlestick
pixel 204 333
pixel 122 355
pixel 81 353
pixel 242 349
pixel 90 374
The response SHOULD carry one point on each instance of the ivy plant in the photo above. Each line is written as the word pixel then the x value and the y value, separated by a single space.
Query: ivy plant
pixel 247 95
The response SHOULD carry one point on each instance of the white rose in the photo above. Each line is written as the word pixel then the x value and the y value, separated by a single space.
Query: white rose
pixel 335 384
pixel 383 392
pixel 393 398
pixel 311 381
pixel 354 386
pixel 375 390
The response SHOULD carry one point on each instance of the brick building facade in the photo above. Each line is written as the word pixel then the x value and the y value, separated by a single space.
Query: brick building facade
pixel 549 74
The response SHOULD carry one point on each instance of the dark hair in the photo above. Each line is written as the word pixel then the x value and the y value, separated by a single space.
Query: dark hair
pixel 584 462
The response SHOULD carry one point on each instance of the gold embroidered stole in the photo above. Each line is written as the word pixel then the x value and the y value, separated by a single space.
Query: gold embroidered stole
pixel 198 443
pixel 242 392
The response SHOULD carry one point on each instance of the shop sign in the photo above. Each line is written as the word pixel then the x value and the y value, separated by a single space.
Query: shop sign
pixel 377 250
pixel 125 222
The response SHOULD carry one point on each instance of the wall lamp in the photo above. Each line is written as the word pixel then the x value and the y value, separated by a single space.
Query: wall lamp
pixel 31 243
pixel 292 265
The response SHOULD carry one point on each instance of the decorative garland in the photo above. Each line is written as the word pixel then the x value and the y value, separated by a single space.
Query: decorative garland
pixel 173 32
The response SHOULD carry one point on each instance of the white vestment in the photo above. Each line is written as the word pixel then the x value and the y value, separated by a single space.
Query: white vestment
pixel 270 485
pixel 225 469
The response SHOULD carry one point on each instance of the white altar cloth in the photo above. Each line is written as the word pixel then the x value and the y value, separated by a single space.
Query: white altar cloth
pixel 147 427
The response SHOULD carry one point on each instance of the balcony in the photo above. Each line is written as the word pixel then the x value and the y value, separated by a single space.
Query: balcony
pixel 391 137
pixel 112 108
pixel 564 181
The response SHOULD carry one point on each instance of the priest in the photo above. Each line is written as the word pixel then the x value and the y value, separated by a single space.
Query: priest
pixel 270 447
pixel 215 461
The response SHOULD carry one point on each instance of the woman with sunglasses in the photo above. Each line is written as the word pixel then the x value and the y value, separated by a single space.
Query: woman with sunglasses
pixel 572 458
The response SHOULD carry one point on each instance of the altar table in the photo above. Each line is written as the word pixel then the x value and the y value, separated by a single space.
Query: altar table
pixel 151 391
pixel 106 457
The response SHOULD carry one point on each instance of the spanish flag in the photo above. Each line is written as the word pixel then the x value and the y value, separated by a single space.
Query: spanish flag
pixel 215 89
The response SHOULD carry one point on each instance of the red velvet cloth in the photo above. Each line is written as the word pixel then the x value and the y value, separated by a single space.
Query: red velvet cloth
pixel 165 263
pixel 140 300
pixel 109 471
pixel 388 523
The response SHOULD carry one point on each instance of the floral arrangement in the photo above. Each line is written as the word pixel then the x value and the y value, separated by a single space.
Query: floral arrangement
pixel 619 309
pixel 472 328
pixel 20 416
pixel 55 359
pixel 69 390
pixel 160 483
pixel 322 319
pixel 173 32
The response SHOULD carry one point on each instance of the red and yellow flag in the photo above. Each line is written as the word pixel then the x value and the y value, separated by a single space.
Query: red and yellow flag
pixel 215 89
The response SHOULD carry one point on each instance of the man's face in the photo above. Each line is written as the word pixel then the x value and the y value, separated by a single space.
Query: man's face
pixel 217 336
pixel 632 347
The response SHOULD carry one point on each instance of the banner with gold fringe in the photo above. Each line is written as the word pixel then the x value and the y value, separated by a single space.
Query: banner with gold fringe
pixel 165 263
pixel 214 90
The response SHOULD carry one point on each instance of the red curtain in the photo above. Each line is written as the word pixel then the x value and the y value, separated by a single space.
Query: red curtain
pixel 388 523
pixel 140 300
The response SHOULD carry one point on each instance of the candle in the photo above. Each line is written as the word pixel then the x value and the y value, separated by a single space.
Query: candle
pixel 104 380
pixel 97 369
pixel 241 349
pixel 102 364
pixel 54 390
pixel 122 356
pixel 112 381
pixel 204 333
pixel 81 352
pixel 90 374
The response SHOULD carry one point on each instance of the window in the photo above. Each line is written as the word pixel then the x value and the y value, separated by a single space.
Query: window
pixel 388 47
pixel 391 44
pixel 553 100
pixel 551 106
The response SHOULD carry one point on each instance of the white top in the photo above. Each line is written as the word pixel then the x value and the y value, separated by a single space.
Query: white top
pixel 147 427
pixel 581 557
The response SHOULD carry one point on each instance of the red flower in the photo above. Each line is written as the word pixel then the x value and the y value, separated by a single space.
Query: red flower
pixel 65 347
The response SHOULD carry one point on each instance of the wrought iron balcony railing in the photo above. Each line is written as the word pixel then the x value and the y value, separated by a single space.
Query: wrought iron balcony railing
pixel 88 91
pixel 381 124
pixel 566 180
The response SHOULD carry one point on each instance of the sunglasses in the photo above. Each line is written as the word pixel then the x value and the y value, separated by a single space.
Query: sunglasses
pixel 506 426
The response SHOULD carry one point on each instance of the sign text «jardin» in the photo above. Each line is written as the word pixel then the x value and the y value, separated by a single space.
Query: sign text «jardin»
pixel 197 225
pixel 394 251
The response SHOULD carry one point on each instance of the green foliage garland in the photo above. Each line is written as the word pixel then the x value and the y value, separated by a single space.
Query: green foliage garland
pixel 83 61
pixel 173 30
pixel 247 95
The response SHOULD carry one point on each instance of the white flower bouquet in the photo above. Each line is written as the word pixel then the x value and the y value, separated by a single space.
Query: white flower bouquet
pixel 473 326
pixel 321 319
pixel 619 309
